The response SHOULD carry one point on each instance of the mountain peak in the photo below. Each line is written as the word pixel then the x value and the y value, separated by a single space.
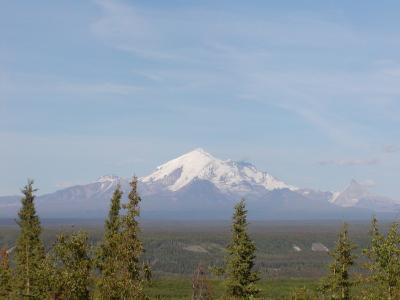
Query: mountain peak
pixel 178 172
pixel 198 153
pixel 226 175
pixel 199 150
pixel 351 195
pixel 356 187
pixel 108 178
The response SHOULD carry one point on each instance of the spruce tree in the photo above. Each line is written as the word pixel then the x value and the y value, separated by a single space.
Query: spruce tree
pixel 131 248
pixel 110 261
pixel 240 279
pixel 70 277
pixel 384 262
pixel 112 224
pixel 338 282
pixel 29 250
pixel 5 274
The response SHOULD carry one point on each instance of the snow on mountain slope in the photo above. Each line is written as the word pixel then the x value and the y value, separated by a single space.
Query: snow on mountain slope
pixel 359 195
pixel 226 175
pixel 108 181
pixel 351 195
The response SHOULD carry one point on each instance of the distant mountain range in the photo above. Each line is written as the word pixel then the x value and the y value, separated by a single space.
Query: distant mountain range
pixel 197 185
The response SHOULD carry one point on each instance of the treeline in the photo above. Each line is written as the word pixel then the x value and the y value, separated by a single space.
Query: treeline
pixel 75 270
pixel 72 268
pixel 113 269
pixel 380 262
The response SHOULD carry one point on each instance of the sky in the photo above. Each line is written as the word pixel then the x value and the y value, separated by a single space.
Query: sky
pixel 308 91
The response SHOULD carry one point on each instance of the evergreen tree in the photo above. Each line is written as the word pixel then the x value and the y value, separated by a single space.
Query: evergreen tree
pixel 241 280
pixel 112 225
pixel 5 274
pixel 29 251
pixel 70 278
pixel 131 247
pixel 110 261
pixel 338 282
pixel 384 262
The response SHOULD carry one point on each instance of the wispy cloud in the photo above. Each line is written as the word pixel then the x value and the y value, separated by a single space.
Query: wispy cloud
pixel 98 88
pixel 350 162
pixel 212 51
pixel 175 33
pixel 379 158
pixel 13 83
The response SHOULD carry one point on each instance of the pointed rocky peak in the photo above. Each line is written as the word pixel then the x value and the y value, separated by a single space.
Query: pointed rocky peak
pixel 357 189
pixel 354 192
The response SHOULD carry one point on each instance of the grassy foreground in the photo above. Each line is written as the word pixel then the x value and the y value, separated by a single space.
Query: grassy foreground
pixel 181 288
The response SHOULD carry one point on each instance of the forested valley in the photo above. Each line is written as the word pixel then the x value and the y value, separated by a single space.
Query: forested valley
pixel 241 260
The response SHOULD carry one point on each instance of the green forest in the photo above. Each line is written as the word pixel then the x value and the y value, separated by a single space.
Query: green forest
pixel 121 262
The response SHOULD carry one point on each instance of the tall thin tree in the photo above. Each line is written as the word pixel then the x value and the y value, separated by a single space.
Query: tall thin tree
pixel 131 247
pixel 109 256
pixel 5 274
pixel 240 277
pixel 29 251
pixel 338 282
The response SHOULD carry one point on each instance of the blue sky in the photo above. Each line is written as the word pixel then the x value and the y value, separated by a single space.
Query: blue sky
pixel 306 90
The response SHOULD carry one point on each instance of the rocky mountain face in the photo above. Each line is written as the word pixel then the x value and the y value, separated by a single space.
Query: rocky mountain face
pixel 197 185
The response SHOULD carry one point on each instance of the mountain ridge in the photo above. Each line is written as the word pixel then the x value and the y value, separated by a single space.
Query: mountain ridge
pixel 199 185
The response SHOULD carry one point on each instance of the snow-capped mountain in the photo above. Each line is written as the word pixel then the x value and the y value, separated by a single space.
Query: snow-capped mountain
pixel 359 195
pixel 226 175
pixel 351 195
pixel 199 185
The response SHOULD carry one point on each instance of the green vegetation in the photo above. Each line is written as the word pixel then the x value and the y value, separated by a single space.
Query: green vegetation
pixel 172 248
pixel 240 279
pixel 69 268
pixel 108 261
pixel 5 275
pixel 181 288
pixel 122 275
pixel 130 248
pixel 260 260
pixel 383 263
pixel 28 281
pixel 338 284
